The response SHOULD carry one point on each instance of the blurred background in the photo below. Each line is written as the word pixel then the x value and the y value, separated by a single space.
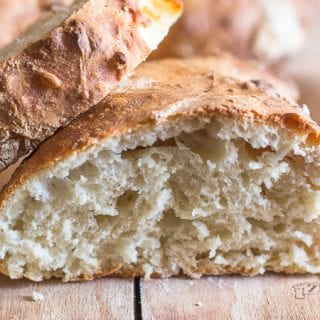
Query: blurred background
pixel 282 35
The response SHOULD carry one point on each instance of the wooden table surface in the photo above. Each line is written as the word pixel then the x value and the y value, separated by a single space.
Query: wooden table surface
pixel 237 298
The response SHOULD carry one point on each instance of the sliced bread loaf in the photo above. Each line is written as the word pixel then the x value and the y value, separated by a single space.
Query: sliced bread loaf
pixel 185 169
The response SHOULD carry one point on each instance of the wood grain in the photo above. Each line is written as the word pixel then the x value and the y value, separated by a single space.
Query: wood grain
pixel 235 298
pixel 100 299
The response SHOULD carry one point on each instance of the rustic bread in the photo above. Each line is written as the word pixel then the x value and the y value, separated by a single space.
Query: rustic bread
pixel 265 29
pixel 183 170
pixel 17 15
pixel 68 63
pixel 247 70
pixel 229 66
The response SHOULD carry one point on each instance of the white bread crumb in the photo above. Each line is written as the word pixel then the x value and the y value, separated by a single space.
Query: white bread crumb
pixel 164 210
pixel 37 296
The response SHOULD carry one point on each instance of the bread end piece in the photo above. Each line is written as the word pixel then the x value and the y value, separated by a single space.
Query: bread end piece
pixel 70 62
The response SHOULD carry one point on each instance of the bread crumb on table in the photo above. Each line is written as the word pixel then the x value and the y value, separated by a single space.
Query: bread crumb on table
pixel 37 296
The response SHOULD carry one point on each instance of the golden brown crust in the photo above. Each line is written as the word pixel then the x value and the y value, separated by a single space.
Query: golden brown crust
pixel 208 25
pixel 132 272
pixel 70 69
pixel 124 271
pixel 155 87
pixel 243 70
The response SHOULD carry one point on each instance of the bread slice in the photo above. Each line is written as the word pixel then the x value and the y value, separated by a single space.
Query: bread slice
pixel 269 30
pixel 69 62
pixel 183 170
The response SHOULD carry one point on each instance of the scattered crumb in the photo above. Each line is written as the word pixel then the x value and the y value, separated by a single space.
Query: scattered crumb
pixel 37 296
pixel 198 304
pixel 305 109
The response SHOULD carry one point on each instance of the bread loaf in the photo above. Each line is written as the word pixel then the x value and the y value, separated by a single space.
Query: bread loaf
pixel 184 169
pixel 68 63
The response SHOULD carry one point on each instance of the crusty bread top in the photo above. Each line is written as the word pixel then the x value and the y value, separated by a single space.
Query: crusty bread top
pixel 209 25
pixel 266 29
pixel 167 91
pixel 229 65
pixel 50 76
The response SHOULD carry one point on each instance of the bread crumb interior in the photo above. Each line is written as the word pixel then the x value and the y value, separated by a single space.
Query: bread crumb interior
pixel 192 198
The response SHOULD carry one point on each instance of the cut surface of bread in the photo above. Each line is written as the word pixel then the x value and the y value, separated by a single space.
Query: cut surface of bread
pixel 268 30
pixel 67 63
pixel 179 171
